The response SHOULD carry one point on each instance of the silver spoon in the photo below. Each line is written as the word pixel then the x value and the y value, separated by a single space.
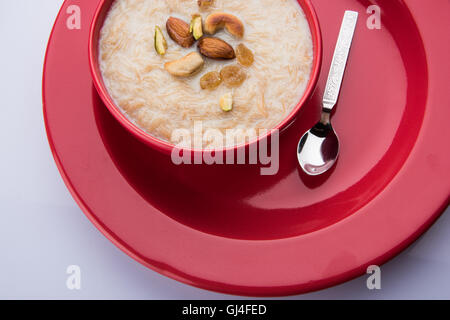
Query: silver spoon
pixel 318 148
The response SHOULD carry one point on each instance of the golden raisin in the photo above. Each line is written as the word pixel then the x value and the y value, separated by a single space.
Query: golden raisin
pixel 233 76
pixel 244 55
pixel 205 3
pixel 211 80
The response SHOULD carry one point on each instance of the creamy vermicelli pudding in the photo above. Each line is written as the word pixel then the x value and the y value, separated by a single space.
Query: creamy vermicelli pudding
pixel 231 64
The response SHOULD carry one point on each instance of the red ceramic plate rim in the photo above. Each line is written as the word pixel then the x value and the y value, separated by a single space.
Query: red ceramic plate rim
pixel 167 147
pixel 377 232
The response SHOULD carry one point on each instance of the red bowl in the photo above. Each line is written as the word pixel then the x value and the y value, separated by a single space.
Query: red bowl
pixel 164 146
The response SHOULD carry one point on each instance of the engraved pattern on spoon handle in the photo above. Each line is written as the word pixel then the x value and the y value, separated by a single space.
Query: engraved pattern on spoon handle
pixel 339 62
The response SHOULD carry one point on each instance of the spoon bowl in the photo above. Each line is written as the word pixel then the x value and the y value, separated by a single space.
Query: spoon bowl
pixel 318 149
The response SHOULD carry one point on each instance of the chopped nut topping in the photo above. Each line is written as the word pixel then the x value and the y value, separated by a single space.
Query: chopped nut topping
pixel 185 66
pixel 160 42
pixel 219 20
pixel 178 30
pixel 196 27
pixel 226 102
pixel 216 48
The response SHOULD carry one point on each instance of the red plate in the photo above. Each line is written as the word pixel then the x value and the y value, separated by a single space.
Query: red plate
pixel 228 229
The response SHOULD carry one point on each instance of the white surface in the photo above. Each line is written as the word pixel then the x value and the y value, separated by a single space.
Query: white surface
pixel 43 231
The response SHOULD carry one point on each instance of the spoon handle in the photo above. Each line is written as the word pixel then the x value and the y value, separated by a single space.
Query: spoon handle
pixel 339 60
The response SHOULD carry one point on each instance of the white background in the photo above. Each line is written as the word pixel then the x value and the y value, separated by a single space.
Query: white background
pixel 43 231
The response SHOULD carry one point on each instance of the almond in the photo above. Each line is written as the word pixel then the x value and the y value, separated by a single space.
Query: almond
pixel 216 48
pixel 179 31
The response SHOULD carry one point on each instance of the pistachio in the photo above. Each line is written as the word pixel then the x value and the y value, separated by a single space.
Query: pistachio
pixel 160 42
pixel 178 30
pixel 226 102
pixel 196 27
pixel 216 48
pixel 185 66
pixel 219 20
